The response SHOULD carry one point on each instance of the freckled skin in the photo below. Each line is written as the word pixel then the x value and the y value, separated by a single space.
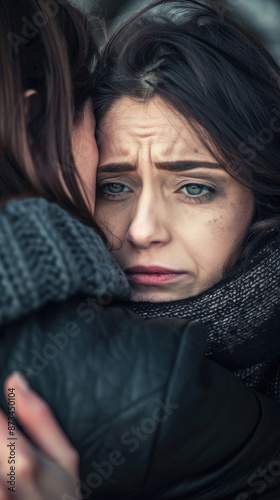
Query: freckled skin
pixel 190 221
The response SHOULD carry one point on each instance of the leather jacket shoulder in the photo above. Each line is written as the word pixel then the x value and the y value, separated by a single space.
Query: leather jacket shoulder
pixel 150 416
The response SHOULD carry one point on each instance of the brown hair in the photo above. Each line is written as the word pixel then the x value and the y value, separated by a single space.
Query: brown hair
pixel 48 46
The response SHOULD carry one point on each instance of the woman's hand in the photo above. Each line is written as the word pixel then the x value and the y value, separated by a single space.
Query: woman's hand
pixel 46 465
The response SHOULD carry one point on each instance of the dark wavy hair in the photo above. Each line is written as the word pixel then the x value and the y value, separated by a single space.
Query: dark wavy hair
pixel 48 46
pixel 219 77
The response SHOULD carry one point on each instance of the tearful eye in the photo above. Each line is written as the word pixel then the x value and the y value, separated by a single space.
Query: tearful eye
pixel 114 188
pixel 198 193
pixel 195 189
pixel 113 191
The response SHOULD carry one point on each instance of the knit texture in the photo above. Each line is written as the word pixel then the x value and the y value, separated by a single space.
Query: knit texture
pixel 242 316
pixel 47 255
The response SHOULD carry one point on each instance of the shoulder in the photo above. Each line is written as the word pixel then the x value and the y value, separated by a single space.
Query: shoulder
pixel 85 336
pixel 92 362
pixel 47 255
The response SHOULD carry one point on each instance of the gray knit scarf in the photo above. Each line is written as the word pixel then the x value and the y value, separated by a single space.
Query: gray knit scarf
pixel 47 255
pixel 242 315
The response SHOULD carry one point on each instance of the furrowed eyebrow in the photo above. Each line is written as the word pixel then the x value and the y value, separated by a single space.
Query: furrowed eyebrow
pixel 181 166
pixel 176 166
pixel 116 168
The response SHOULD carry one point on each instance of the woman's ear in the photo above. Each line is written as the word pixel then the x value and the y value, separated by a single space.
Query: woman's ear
pixel 30 104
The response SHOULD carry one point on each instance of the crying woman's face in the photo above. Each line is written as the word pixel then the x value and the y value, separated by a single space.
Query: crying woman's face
pixel 172 214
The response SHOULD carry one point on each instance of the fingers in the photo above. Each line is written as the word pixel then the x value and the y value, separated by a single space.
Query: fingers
pixel 37 477
pixel 19 455
pixel 40 425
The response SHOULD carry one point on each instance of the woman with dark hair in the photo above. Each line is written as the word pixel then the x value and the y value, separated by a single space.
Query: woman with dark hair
pixel 187 110
pixel 149 415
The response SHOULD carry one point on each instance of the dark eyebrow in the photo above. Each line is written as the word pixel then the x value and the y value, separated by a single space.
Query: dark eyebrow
pixel 116 168
pixel 173 166
pixel 181 166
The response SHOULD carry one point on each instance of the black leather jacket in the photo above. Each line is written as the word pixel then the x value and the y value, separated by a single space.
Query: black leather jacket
pixel 149 415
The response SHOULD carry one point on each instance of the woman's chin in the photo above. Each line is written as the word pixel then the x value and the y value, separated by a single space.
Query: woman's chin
pixel 151 294
pixel 171 292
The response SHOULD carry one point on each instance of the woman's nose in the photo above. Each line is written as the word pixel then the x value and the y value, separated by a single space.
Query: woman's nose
pixel 149 223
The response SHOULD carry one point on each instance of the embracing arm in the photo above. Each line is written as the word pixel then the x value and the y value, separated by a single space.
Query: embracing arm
pixel 148 414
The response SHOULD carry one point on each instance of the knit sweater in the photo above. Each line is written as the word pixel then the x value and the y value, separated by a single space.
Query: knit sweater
pixel 47 255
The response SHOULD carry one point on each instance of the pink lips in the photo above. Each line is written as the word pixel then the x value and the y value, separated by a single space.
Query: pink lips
pixel 153 275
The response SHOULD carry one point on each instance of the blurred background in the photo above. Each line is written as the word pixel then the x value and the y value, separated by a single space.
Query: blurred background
pixel 261 15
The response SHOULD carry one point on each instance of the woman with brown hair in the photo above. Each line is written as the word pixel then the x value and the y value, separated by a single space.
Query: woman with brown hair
pixel 48 158
pixel 149 415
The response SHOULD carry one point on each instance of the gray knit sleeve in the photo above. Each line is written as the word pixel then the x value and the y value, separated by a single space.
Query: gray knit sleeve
pixel 47 255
